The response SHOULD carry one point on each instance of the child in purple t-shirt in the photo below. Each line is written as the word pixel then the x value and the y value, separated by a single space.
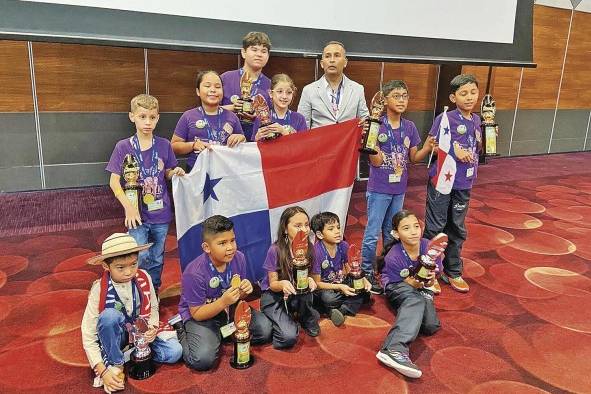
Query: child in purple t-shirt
pixel 336 296
pixel 157 163
pixel 447 212
pixel 285 121
pixel 209 124
pixel 208 298
pixel 279 299
pixel 398 140
pixel 255 52
pixel 413 302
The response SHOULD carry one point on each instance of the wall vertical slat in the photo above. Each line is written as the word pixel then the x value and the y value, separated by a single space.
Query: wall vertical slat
pixel 36 112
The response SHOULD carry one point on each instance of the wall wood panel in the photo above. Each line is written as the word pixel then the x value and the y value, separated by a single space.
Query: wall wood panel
pixel 539 87
pixel 299 69
pixel 576 81
pixel 15 77
pixel 504 83
pixel 505 86
pixel 87 78
pixel 367 74
pixel 421 80
pixel 172 75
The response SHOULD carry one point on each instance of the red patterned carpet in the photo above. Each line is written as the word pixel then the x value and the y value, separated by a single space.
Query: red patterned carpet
pixel 525 326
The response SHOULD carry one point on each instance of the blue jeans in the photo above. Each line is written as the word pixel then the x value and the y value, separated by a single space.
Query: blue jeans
pixel 381 208
pixel 113 337
pixel 151 260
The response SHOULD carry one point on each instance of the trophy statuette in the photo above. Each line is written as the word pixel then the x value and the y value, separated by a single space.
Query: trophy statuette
pixel 131 174
pixel 300 263
pixel 356 274
pixel 428 261
pixel 373 122
pixel 242 358
pixel 490 128
pixel 141 365
pixel 245 89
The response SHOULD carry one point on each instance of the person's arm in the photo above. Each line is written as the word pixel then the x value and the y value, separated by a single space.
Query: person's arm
pixel 208 311
pixel 132 214
pixel 417 155
pixel 182 147
pixel 305 106
pixel 280 286
pixel 171 165
pixel 343 288
pixel 378 159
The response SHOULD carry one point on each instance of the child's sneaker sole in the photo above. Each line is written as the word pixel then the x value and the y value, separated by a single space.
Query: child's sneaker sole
pixel 404 370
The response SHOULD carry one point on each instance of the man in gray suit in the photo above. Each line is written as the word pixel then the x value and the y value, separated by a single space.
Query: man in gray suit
pixel 333 98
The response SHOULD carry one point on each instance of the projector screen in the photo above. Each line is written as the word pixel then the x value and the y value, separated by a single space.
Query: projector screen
pixel 427 31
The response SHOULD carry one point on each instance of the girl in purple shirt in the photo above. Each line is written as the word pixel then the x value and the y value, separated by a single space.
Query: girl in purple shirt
pixel 285 121
pixel 279 299
pixel 209 124
pixel 413 302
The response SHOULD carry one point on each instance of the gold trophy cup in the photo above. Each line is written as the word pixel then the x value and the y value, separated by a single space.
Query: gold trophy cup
pixel 370 139
pixel 131 174
pixel 489 127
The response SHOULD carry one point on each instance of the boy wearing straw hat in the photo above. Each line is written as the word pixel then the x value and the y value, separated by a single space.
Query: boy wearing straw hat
pixel 123 294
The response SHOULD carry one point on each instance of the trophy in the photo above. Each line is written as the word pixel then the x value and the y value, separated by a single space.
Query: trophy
pixel 355 272
pixel 490 128
pixel 427 262
pixel 131 173
pixel 261 109
pixel 140 365
pixel 245 88
pixel 370 139
pixel 300 263
pixel 242 358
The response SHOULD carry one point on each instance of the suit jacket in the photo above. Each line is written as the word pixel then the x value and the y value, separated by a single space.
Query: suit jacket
pixel 317 109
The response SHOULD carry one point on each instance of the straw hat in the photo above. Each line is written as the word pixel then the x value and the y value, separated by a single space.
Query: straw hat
pixel 118 244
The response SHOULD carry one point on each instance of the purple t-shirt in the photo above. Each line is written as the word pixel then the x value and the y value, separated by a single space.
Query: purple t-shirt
pixel 331 268
pixel 398 262
pixel 196 124
pixel 271 265
pixel 293 122
pixel 463 131
pixel 396 144
pixel 231 84
pixel 152 179
pixel 203 284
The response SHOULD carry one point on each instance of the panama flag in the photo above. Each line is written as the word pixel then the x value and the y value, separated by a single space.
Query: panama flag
pixel 446 164
pixel 253 183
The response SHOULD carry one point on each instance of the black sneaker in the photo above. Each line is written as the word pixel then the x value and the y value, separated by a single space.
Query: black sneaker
pixel 336 317
pixel 312 331
pixel 376 287
pixel 400 362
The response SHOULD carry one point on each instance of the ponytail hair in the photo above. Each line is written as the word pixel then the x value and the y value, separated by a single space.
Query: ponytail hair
pixel 381 259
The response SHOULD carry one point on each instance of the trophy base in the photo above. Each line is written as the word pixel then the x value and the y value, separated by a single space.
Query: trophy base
pixel 302 291
pixel 141 369
pixel 247 365
pixel 492 154
pixel 369 151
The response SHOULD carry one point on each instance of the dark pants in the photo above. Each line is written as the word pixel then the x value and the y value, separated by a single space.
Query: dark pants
pixel 285 328
pixel 415 312
pixel 202 339
pixel 333 299
pixel 446 213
